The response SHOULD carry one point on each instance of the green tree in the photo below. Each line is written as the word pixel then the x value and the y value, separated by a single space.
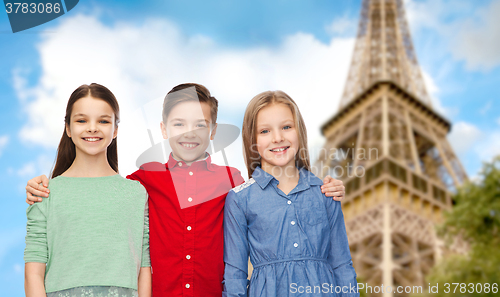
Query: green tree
pixel 475 218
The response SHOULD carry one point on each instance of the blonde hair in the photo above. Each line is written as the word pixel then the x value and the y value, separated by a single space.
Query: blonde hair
pixel 248 131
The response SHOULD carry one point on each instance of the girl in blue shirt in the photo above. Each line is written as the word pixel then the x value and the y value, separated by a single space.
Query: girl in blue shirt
pixel 294 235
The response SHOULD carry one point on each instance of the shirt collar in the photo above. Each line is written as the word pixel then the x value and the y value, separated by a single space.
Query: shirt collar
pixel 261 177
pixel 205 163
pixel 306 179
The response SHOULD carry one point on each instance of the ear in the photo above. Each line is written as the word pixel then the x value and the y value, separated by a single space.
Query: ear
pixel 68 132
pixel 115 133
pixel 163 130
pixel 212 135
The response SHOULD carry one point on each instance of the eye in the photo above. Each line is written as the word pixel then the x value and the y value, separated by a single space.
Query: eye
pixel 265 131
pixel 80 121
pixel 201 125
pixel 104 122
pixel 177 124
pixel 287 127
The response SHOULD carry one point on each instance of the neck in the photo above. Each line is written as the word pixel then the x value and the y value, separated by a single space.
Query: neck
pixel 89 166
pixel 287 176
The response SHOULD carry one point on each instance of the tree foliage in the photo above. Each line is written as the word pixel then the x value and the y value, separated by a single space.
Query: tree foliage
pixel 475 218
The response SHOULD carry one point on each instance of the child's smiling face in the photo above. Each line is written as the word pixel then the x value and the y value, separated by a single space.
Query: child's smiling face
pixel 277 138
pixel 92 126
pixel 188 130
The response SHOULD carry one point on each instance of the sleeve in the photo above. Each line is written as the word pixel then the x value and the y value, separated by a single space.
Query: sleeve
pixel 237 178
pixel 339 255
pixel 146 260
pixel 234 176
pixel 36 233
pixel 236 249
pixel 137 175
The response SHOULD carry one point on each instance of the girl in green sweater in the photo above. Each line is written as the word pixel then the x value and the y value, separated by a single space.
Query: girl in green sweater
pixel 90 237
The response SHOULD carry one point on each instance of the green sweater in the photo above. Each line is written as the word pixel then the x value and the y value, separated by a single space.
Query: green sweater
pixel 91 231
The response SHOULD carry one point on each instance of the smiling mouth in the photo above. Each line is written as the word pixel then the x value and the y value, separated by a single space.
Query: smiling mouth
pixel 92 139
pixel 189 145
pixel 279 149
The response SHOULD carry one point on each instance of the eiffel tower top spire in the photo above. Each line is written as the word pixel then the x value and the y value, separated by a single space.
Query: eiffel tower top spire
pixel 384 52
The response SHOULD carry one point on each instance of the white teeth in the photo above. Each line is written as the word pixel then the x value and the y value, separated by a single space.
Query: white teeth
pixel 279 150
pixel 189 145
pixel 92 139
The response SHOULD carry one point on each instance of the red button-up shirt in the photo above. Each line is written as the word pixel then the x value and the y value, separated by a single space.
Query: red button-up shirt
pixel 186 240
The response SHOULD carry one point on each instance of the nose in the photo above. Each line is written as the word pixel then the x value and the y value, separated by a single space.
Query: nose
pixel 190 133
pixel 92 128
pixel 278 137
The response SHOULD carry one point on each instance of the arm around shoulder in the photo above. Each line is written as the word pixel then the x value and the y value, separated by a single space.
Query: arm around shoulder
pixel 36 188
pixel 236 250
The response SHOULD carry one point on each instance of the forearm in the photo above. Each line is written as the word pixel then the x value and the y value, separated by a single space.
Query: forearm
pixel 34 276
pixel 144 282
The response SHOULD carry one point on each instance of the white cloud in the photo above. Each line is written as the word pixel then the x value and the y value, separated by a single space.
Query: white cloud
pixel 433 91
pixel 467 139
pixel 423 14
pixel 28 170
pixel 142 63
pixel 489 147
pixel 463 137
pixel 479 41
pixel 344 26
pixel 470 28
pixel 4 140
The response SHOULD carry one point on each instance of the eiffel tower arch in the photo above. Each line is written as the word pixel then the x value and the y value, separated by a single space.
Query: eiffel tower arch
pixel 389 147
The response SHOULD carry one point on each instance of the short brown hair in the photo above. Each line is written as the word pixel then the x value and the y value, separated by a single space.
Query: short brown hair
pixel 248 131
pixel 177 95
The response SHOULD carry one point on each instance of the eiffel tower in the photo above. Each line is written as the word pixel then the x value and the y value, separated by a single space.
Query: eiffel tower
pixel 389 147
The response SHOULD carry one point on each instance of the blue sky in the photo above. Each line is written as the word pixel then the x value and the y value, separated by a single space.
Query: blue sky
pixel 140 49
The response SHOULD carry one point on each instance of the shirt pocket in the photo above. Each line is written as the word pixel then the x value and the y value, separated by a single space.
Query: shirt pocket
pixel 312 211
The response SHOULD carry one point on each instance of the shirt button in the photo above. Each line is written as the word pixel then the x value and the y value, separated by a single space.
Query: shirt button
pixel 292 222
pixel 188 286
pixel 295 244
pixel 188 257
pixel 180 163
pixel 190 199
pixel 190 173
pixel 289 202
pixel 189 228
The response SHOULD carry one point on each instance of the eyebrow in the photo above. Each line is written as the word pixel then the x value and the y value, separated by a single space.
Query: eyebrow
pixel 183 120
pixel 84 115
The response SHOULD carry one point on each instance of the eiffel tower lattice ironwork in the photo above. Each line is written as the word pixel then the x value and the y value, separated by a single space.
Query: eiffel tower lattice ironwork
pixel 389 146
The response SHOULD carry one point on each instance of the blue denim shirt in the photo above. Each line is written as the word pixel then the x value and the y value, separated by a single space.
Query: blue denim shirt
pixel 297 242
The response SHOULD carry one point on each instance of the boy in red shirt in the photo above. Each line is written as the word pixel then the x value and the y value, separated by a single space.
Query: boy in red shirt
pixel 186 198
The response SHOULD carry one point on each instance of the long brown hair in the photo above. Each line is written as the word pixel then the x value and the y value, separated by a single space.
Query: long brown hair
pixel 66 151
pixel 249 129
